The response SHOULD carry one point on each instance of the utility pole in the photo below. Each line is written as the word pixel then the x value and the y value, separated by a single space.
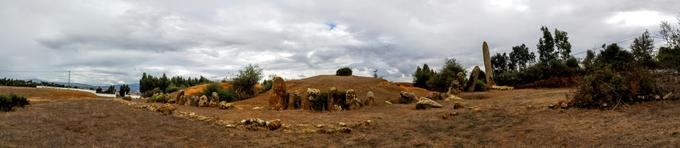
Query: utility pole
pixel 69 79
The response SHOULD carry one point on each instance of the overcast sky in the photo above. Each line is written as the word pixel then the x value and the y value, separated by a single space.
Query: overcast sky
pixel 111 42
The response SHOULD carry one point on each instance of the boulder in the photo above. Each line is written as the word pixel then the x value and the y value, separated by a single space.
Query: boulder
pixel 167 109
pixel 332 100
pixel 456 84
pixel 425 103
pixel 225 105
pixel 215 97
pixel 277 98
pixel 312 98
pixel 370 98
pixel 352 99
pixel 474 77
pixel 273 124
pixel 181 100
pixel 203 101
pixel 336 108
pixel 294 100
pixel 407 97
pixel 438 96
pixel 193 101
pixel 213 103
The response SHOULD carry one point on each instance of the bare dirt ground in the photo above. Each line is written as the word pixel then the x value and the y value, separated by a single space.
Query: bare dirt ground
pixel 516 118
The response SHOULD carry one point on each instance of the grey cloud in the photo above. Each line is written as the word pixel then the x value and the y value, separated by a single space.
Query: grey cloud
pixel 121 39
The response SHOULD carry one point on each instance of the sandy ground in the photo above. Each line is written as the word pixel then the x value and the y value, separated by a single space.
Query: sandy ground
pixel 516 118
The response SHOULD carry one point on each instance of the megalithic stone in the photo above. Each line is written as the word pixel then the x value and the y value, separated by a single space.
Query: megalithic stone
pixel 487 65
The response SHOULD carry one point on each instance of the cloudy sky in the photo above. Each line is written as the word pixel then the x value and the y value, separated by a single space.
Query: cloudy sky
pixel 110 42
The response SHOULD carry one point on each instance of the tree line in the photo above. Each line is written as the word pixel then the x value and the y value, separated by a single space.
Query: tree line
pixel 164 84
pixel 26 83
pixel 555 66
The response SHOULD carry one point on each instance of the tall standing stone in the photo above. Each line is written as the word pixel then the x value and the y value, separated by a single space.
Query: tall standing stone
pixel 278 98
pixel 487 65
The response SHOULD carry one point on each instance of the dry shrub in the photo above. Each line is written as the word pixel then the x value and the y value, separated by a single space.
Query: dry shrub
pixel 8 102
pixel 607 88
pixel 157 98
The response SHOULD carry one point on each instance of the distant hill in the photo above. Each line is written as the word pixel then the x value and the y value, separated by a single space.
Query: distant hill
pixel 134 87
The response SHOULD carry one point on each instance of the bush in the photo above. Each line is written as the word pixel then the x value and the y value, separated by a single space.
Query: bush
pixel 606 88
pixel 244 83
pixel 669 58
pixel 345 71
pixel 151 92
pixel 225 94
pixel 267 85
pixel 157 98
pixel 8 102
pixel 615 79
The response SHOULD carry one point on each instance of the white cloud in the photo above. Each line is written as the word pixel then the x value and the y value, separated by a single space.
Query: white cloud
pixel 638 18
pixel 119 40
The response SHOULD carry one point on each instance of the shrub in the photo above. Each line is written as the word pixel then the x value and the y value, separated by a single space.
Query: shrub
pixel 615 79
pixel 345 71
pixel 151 92
pixel 225 94
pixel 8 102
pixel 157 98
pixel 267 85
pixel 669 58
pixel 172 88
pixel 244 83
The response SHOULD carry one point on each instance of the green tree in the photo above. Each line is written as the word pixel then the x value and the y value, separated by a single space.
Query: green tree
pixel 164 83
pixel 670 34
pixel 442 81
pixel 562 44
pixel 422 75
pixel 615 57
pixel 500 63
pixel 588 60
pixel 244 83
pixel 345 71
pixel 110 90
pixel 643 47
pixel 669 56
pixel 546 46
pixel 520 57
pixel 123 90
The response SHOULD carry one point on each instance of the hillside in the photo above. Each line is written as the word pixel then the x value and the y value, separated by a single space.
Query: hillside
pixel 382 89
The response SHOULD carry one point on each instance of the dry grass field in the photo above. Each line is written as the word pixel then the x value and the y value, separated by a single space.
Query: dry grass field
pixel 514 118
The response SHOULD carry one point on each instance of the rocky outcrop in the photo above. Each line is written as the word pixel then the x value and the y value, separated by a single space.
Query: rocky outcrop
pixel 426 103
pixel 203 101
pixel 474 77
pixel 407 97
